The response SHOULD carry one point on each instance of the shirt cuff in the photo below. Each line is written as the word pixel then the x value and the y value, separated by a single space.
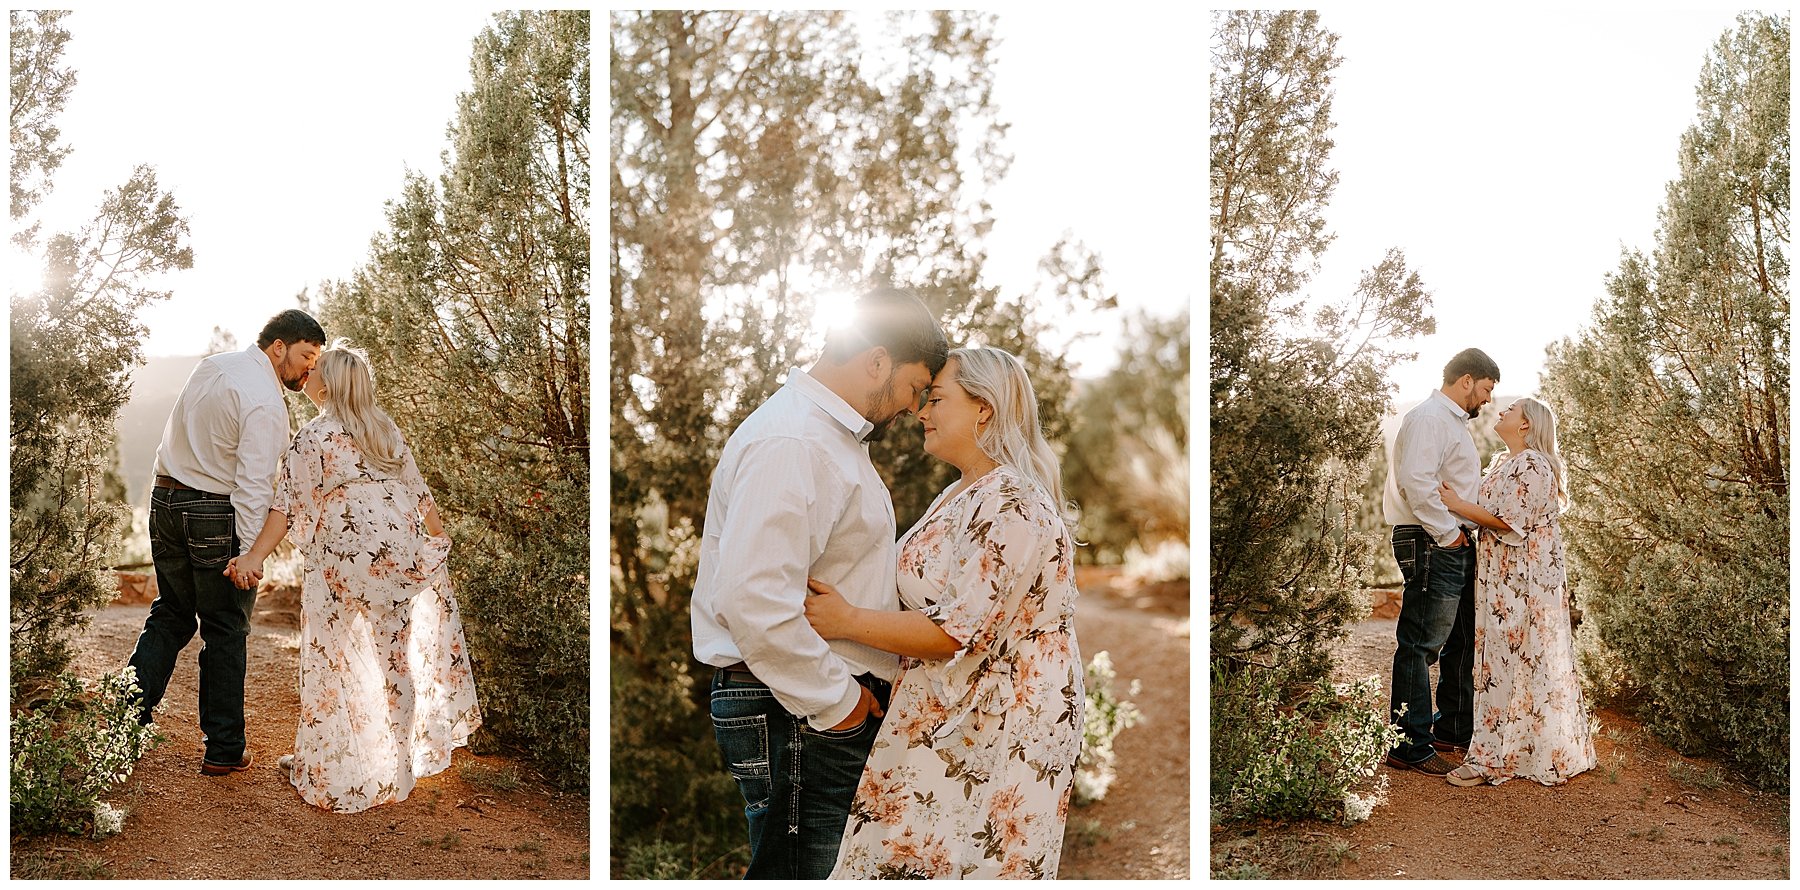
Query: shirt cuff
pixel 839 712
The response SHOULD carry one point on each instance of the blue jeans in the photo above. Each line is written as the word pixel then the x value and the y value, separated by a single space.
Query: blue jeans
pixel 1437 624
pixel 797 781
pixel 192 536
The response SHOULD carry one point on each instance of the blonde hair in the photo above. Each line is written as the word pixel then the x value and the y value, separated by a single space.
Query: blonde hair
pixel 1542 438
pixel 350 399
pixel 1015 437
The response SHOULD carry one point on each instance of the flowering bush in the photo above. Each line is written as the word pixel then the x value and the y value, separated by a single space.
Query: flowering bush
pixel 71 749
pixel 1300 760
pixel 1103 719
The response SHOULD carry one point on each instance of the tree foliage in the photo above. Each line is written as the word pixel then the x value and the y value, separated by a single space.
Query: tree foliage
pixel 474 307
pixel 39 90
pixel 1297 389
pixel 764 163
pixel 1127 461
pixel 1674 421
pixel 75 340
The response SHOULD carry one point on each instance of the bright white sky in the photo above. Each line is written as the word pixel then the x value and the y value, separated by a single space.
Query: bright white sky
pixel 1510 155
pixel 280 137
pixel 1108 126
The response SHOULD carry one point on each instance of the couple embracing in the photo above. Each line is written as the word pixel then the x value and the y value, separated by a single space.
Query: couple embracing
pixel 1486 595
pixel 385 685
pixel 893 709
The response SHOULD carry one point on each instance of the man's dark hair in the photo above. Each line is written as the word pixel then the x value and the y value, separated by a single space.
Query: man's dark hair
pixel 1473 362
pixel 896 320
pixel 290 327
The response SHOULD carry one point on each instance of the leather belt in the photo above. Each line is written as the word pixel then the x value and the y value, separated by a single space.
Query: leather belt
pixel 741 672
pixel 176 484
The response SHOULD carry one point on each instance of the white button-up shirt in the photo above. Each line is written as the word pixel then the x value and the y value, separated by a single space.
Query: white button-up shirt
pixel 226 435
pixel 795 496
pixel 1433 446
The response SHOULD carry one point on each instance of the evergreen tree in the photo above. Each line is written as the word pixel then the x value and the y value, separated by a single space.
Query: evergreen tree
pixel 75 340
pixel 1296 395
pixel 474 306
pixel 1127 462
pixel 1674 410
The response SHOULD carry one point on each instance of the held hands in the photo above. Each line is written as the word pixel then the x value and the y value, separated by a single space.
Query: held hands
pixel 247 575
pixel 830 614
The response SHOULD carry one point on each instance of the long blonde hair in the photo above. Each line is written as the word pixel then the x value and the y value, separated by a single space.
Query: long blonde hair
pixel 1542 438
pixel 1015 438
pixel 350 399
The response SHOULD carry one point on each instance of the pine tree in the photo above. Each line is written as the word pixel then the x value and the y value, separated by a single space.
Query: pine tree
pixel 1674 420
pixel 474 308
pixel 1297 393
pixel 75 341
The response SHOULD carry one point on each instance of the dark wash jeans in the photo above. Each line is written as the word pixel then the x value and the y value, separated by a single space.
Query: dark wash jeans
pixel 1437 624
pixel 192 536
pixel 797 781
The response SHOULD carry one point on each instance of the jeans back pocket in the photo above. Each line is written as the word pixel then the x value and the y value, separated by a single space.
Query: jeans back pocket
pixel 208 538
pixel 741 724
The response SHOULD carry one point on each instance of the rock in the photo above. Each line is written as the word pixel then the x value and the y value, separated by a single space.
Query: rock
pixel 135 589
pixel 1385 604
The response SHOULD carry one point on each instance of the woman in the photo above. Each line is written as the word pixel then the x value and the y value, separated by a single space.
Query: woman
pixel 1530 720
pixel 385 687
pixel 971 772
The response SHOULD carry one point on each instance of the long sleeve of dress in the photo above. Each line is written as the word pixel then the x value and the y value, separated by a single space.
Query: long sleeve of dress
pixel 997 552
pixel 1523 496
pixel 298 490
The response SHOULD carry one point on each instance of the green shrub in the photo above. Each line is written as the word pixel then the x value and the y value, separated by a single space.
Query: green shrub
pixel 69 750
pixel 521 582
pixel 1103 719
pixel 1294 756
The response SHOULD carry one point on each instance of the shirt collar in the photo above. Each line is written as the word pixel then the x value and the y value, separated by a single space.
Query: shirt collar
pixel 834 405
pixel 1449 404
pixel 263 358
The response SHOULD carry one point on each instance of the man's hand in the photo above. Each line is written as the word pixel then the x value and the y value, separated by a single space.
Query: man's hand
pixel 866 707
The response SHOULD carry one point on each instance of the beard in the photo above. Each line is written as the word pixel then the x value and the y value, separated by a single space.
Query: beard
pixel 882 410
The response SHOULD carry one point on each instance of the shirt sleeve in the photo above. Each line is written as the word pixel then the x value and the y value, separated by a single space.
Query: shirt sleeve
pixel 297 492
pixel 1419 450
pixel 784 501
pixel 262 436
pixel 1523 496
pixel 998 557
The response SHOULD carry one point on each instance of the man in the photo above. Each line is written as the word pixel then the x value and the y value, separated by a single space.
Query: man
pixel 215 480
pixel 795 496
pixel 1436 552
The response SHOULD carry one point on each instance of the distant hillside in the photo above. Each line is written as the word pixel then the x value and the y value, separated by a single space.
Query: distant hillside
pixel 153 390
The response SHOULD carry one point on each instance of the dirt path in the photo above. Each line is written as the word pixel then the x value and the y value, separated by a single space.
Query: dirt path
pixel 1141 828
pixel 1644 812
pixel 469 821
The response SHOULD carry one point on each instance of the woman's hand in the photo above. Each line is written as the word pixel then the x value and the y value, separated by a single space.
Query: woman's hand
pixel 245 575
pixel 1452 501
pixel 830 614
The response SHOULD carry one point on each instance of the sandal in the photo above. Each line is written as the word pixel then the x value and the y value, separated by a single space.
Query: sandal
pixel 1466 776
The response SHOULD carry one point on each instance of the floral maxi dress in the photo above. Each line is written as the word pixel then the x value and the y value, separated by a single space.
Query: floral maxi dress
pixel 385 686
pixel 1530 721
pixel 971 772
